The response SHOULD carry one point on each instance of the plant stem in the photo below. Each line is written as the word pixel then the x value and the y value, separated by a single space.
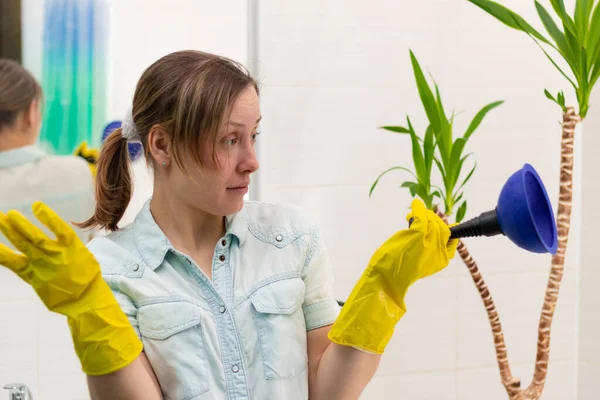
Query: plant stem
pixel 511 384
pixel 565 198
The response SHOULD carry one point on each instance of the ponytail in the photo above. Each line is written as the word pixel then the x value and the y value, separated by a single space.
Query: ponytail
pixel 113 184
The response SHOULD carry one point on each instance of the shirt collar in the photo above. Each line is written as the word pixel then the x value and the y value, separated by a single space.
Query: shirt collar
pixel 20 156
pixel 153 245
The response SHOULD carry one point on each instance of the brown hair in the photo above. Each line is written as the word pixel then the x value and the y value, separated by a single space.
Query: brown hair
pixel 186 93
pixel 18 89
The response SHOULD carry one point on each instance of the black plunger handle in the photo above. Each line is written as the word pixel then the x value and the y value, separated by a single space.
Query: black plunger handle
pixel 485 224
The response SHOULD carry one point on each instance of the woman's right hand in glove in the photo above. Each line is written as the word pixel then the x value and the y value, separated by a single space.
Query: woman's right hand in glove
pixel 67 279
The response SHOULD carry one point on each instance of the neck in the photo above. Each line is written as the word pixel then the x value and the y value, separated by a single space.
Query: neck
pixel 189 229
pixel 10 140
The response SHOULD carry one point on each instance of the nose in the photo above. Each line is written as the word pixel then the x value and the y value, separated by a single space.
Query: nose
pixel 249 162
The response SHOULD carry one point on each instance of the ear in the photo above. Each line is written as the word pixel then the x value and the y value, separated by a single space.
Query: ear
pixel 32 114
pixel 159 144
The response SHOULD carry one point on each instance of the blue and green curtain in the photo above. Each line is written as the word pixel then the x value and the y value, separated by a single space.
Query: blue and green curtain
pixel 74 73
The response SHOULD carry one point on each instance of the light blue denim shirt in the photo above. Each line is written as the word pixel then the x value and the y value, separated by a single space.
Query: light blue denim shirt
pixel 241 335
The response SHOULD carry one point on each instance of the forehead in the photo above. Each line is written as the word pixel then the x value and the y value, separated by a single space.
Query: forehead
pixel 246 108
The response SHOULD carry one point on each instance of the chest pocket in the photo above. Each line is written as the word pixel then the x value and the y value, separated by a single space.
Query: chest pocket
pixel 173 342
pixel 279 321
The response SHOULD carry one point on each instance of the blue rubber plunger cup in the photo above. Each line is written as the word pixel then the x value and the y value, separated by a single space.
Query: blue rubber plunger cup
pixel 523 214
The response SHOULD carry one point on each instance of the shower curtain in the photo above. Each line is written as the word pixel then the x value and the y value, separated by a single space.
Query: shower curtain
pixel 73 73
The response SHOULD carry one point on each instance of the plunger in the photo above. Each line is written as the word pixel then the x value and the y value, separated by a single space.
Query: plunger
pixel 523 214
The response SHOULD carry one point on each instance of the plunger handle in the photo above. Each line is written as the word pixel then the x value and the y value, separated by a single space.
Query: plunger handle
pixel 486 224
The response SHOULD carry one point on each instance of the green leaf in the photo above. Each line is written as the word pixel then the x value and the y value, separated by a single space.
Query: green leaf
pixel 508 17
pixel 593 44
pixel 460 196
pixel 594 75
pixel 441 112
pixel 455 162
pixel 440 169
pixel 417 155
pixel 397 129
pixel 555 32
pixel 555 100
pixel 468 177
pixel 548 95
pixel 428 149
pixel 385 172
pixel 583 8
pixel 583 84
pixel 462 210
pixel 422 193
pixel 441 193
pixel 554 63
pixel 426 94
pixel 479 117
pixel 561 99
pixel 559 8
pixel 575 48
pixel 413 189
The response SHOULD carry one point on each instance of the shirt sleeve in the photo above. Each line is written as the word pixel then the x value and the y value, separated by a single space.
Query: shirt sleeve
pixel 105 255
pixel 320 306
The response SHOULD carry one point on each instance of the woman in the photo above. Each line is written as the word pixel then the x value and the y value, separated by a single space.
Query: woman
pixel 223 300
pixel 27 173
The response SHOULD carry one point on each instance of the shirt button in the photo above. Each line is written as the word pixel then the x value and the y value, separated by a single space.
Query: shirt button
pixel 224 242
pixel 279 238
pixel 136 267
pixel 235 368
pixel 222 257
pixel 222 309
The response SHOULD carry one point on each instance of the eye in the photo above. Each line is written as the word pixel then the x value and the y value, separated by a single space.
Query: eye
pixel 232 142
pixel 255 136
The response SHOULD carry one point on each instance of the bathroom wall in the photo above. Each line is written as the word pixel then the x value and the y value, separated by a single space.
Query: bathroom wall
pixel 589 296
pixel 332 73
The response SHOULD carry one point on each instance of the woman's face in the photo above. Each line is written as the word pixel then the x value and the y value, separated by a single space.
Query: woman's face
pixel 219 188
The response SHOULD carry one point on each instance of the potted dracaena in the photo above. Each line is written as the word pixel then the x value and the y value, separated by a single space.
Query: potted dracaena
pixel 439 146
pixel 575 39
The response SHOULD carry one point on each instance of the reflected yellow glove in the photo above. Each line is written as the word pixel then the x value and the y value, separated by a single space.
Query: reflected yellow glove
pixel 89 154
pixel 67 278
pixel 376 303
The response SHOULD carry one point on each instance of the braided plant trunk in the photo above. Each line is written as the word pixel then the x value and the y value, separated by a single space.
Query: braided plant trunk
pixel 512 384
pixel 563 221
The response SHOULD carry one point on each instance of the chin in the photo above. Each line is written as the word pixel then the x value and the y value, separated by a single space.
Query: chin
pixel 233 207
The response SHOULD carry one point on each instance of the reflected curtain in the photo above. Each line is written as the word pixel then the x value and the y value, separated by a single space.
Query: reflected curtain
pixel 73 74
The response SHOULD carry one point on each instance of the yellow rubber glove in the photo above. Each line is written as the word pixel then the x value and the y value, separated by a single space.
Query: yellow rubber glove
pixel 67 278
pixel 376 303
pixel 89 154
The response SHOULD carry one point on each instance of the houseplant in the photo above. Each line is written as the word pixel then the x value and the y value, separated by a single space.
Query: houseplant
pixel 575 39
pixel 439 145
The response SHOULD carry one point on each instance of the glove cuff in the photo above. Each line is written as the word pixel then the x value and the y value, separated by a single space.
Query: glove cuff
pixel 103 337
pixel 368 317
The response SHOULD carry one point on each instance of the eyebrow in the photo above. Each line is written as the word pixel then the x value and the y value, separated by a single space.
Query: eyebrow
pixel 240 124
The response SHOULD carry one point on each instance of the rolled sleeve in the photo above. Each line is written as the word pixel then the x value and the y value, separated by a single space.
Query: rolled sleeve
pixel 320 306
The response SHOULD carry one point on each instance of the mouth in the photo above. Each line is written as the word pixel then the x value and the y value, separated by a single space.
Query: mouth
pixel 243 189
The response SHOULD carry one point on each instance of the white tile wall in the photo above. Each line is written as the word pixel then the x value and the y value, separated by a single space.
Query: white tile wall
pixel 332 72
pixel 589 296
pixel 589 384
pixel 18 350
